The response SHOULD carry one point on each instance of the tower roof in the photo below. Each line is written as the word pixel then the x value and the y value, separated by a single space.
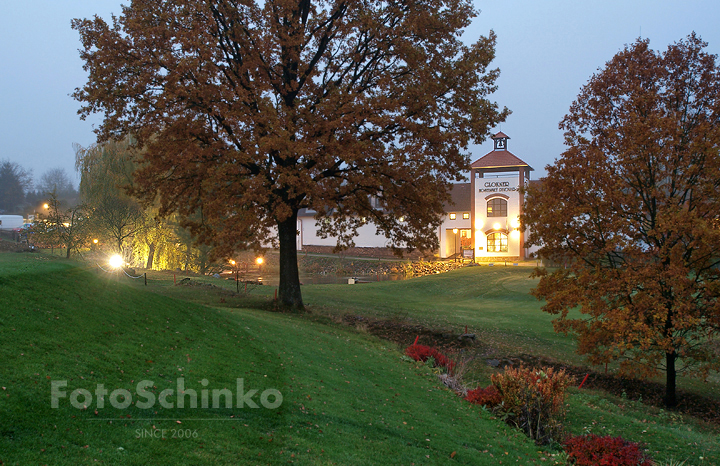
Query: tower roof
pixel 499 159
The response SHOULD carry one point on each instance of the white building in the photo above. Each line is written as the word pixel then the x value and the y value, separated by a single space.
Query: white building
pixel 481 223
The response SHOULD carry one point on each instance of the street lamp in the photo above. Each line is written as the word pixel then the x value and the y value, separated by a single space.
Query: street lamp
pixel 455 232
pixel 116 261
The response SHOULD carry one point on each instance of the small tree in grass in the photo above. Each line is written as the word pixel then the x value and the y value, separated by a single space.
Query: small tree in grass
pixel 67 227
pixel 631 208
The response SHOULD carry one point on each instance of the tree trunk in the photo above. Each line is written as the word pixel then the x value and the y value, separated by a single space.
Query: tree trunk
pixel 289 292
pixel 151 256
pixel 670 398
pixel 67 255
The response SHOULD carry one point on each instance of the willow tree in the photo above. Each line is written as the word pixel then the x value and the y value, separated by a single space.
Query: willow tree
pixel 632 208
pixel 106 171
pixel 250 111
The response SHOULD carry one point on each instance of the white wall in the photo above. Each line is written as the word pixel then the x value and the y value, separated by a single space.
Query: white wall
pixel 367 236
pixel 484 187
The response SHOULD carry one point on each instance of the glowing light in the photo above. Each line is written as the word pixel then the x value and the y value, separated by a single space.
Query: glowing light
pixel 45 206
pixel 455 230
pixel 232 262
pixel 116 261
pixel 478 224
pixel 259 261
pixel 515 223
pixel 95 241
pixel 496 226
pixel 515 234
pixel 402 219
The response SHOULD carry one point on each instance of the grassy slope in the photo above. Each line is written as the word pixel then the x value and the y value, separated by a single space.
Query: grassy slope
pixel 495 303
pixel 492 301
pixel 348 399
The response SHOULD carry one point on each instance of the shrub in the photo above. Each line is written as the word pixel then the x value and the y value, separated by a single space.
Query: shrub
pixel 592 450
pixel 423 353
pixel 533 400
pixel 488 396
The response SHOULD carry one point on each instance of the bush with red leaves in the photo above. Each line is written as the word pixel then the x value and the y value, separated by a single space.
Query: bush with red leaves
pixel 423 353
pixel 593 450
pixel 534 400
pixel 488 396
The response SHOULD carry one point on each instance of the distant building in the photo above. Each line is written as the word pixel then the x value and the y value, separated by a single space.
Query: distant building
pixel 480 223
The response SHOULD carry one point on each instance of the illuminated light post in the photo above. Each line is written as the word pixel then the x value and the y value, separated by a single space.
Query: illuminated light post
pixel 237 275
pixel 455 232
pixel 116 261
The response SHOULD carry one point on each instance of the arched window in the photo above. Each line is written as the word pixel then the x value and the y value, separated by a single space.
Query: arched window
pixel 497 207
pixel 497 242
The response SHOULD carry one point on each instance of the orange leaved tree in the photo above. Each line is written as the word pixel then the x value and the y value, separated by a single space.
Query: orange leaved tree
pixel 631 209
pixel 249 111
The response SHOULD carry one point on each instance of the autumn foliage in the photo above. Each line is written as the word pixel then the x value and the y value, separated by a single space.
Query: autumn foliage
pixel 594 450
pixel 631 210
pixel 533 400
pixel 488 396
pixel 423 353
pixel 248 112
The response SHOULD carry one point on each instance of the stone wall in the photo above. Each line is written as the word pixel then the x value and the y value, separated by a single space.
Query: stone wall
pixel 503 259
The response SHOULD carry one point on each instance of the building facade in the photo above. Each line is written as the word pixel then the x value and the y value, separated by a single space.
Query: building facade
pixel 481 223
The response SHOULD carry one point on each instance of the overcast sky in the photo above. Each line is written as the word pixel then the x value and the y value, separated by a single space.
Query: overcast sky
pixel 546 50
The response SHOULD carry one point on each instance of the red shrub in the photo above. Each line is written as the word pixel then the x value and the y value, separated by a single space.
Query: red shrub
pixel 420 352
pixel 423 353
pixel 488 396
pixel 593 450
pixel 533 400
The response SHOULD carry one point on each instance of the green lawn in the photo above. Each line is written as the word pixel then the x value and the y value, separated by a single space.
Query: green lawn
pixel 348 398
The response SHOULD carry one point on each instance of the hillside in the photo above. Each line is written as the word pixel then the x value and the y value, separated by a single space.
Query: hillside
pixel 347 398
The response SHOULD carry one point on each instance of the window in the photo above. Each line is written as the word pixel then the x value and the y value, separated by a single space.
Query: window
pixel 466 215
pixel 497 208
pixel 452 216
pixel 497 242
pixel 376 202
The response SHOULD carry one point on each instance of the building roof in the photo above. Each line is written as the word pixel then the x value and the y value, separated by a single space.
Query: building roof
pixel 499 159
pixel 501 135
pixel 461 198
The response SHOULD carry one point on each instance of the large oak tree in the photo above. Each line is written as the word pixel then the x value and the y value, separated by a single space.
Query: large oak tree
pixel 250 111
pixel 632 208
